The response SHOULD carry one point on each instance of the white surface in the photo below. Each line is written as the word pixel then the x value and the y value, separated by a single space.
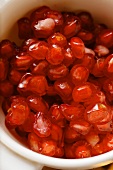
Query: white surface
pixel 12 161
pixel 9 13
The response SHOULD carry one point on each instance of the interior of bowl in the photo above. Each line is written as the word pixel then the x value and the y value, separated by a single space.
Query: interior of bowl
pixel 101 11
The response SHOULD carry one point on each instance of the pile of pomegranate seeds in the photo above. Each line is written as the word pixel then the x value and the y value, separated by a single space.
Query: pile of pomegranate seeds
pixel 58 84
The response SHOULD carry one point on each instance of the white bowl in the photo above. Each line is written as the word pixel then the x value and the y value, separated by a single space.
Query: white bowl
pixel 10 12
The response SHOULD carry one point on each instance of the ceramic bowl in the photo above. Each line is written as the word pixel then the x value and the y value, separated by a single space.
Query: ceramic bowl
pixel 10 12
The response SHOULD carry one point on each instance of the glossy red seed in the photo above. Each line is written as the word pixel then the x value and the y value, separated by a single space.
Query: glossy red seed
pixel 58 39
pixel 59 152
pixel 33 84
pixel 79 74
pixel 39 67
pixel 38 50
pixel 37 104
pixel 18 112
pixel 86 36
pixel 6 49
pixel 22 61
pixel 43 28
pixel 24 28
pixel 25 45
pixel 101 50
pixel 39 13
pixel 98 113
pixel 4 65
pixel 71 27
pixel 42 125
pixel 55 55
pixel 108 66
pixel 28 124
pixel 82 151
pixel 83 92
pixel 56 72
pixel 98 67
pixel 34 142
pixel 106 127
pixel 57 134
pixel 49 147
pixel 108 89
pixel 64 88
pixel 68 57
pixel 6 88
pixel 92 138
pixel 77 47
pixel 68 151
pixel 15 76
pixel 88 61
pixel 23 84
pixel 105 38
pixel 72 112
pixel 81 126
pixel 57 17
pixel 70 135
pixel 86 20
pixel 56 115
pixel 38 85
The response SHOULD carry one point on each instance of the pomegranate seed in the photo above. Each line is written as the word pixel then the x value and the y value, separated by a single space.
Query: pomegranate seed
pixel 97 70
pixel 3 69
pixel 6 88
pixel 82 151
pixel 79 74
pixel 64 88
pixel 57 134
pixel 24 28
pixel 86 36
pixel 68 57
pixel 71 26
pixel 42 125
pixel 6 49
pixel 101 50
pixel 37 104
pixel 39 67
pixel 81 126
pixel 92 138
pixel 77 47
pixel 34 142
pixel 56 72
pixel 105 38
pixel 57 39
pixel 55 55
pixel 86 20
pixel 56 116
pixel 83 92
pixel 15 76
pixel 88 61
pixel 49 147
pixel 43 28
pixel 72 112
pixel 38 50
pixel 39 13
pixel 98 113
pixel 22 61
pixel 57 17
pixel 28 124
pixel 18 112
pixel 108 66
pixel 70 135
